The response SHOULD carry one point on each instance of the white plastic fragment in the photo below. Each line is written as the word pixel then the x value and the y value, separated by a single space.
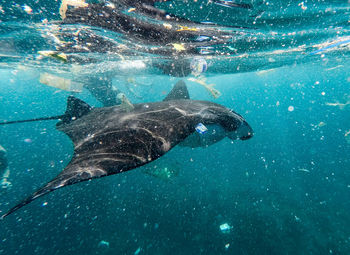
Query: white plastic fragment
pixel 103 244
pixel 59 82
pixel 225 228
pixel 137 251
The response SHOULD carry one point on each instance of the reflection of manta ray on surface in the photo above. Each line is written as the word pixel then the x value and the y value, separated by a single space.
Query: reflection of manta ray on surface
pixel 110 140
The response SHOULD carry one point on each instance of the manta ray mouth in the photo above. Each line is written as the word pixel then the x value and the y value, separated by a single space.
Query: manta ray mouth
pixel 246 137
pixel 243 132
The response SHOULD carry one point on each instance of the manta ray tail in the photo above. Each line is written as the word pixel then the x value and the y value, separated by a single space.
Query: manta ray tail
pixel 75 109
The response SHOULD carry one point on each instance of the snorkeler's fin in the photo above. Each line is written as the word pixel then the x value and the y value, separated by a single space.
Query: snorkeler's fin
pixel 178 92
pixel 75 109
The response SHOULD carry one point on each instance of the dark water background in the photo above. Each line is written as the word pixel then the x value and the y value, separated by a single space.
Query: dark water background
pixel 285 191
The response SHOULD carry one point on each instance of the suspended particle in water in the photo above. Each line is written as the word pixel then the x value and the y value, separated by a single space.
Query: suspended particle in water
pixel 103 244
pixel 225 228
pixel 302 6
pixel 291 108
pixel 27 9
pixel 137 251
pixel 28 140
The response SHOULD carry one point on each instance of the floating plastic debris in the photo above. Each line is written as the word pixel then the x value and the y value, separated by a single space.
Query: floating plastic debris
pixel 184 28
pixel 27 9
pixel 225 228
pixel 210 87
pixel 103 244
pixel 75 3
pixel 302 6
pixel 4 184
pixel 198 66
pixel 338 104
pixel 202 38
pixel 200 128
pixel 291 108
pixel 163 172
pixel 321 124
pixel 137 251
pixel 178 46
pixel 54 54
pixel 263 72
pixel 28 140
pixel 347 136
pixel 125 102
pixel 227 246
pixel 132 65
pixel 44 204
pixel 59 82
pixel 167 26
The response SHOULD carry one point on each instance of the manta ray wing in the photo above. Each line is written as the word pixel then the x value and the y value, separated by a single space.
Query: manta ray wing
pixel 109 140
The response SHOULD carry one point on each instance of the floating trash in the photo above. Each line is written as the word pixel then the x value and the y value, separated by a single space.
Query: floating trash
pixel 338 104
pixel 27 9
pixel 54 54
pixel 200 128
pixel 60 83
pixel 210 87
pixel 225 228
pixel 137 251
pixel 28 140
pixel 198 66
pixel 74 3
pixel 103 244
pixel 163 172
pixel 347 136
pixel 178 46
pixel 125 102
pixel 321 124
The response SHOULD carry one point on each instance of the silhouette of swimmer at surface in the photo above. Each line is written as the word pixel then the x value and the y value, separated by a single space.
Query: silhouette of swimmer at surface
pixel 4 170
pixel 103 91
pixel 157 33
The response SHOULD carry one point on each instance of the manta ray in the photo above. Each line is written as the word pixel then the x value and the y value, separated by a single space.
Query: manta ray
pixel 112 140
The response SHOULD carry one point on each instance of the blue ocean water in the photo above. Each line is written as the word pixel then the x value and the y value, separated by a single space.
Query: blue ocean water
pixel 285 191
